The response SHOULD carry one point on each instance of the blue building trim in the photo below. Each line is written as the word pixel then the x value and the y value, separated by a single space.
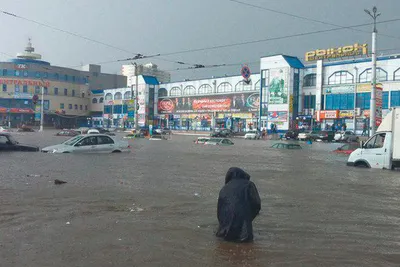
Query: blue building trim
pixel 150 80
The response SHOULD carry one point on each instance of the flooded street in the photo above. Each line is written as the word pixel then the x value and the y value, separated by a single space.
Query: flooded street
pixel 156 206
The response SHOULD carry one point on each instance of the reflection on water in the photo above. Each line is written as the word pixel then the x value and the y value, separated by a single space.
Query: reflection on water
pixel 157 207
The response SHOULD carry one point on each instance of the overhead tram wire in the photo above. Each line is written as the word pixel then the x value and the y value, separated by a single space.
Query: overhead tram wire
pixel 305 18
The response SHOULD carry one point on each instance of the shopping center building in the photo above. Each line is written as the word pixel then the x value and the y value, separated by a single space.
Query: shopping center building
pixel 67 91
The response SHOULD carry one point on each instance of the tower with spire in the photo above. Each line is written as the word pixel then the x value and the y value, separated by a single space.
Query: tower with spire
pixel 29 52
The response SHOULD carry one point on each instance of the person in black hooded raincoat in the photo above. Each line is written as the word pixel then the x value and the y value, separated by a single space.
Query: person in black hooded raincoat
pixel 238 205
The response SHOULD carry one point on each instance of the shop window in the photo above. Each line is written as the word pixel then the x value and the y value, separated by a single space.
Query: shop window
pixel 46 91
pixel 76 106
pixel 45 75
pixel 37 74
pixel 363 100
pixel 73 78
pixel 56 76
pixel 127 95
pixel 25 89
pixel 243 86
pixel 109 97
pixel 66 77
pixel 118 96
pixel 205 89
pixel 61 105
pixel 310 80
pixel 37 90
pixel 65 91
pixel 55 91
pixel 16 88
pixel 70 106
pixel 341 77
pixel 385 100
pixel 16 73
pixel 4 72
pixel 94 101
pixel 339 101
pixel 395 99
pixel 101 100
pixel 107 109
pixel 4 87
pixel 175 91
pixel 162 92
pixel 366 75
pixel 309 101
pixel 25 73
pixel 224 87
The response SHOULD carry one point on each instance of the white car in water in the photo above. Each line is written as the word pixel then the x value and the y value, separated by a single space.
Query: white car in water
pixel 89 143
pixel 252 134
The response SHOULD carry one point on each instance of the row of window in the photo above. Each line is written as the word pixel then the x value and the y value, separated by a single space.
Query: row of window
pixel 75 106
pixel 44 75
pixel 95 100
pixel 345 77
pixel 346 101
pixel 118 96
pixel 116 109
pixel 38 90
pixel 205 89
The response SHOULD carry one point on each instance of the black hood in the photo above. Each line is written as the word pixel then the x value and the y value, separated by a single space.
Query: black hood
pixel 236 173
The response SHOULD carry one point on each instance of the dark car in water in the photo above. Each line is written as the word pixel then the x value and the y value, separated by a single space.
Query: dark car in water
pixel 286 146
pixel 222 133
pixel 25 129
pixel 67 133
pixel 8 143
pixel 291 135
pixel 104 131
pixel 325 136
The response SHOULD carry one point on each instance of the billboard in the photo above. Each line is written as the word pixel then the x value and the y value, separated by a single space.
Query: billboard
pixel 217 103
pixel 378 108
pixel 278 88
pixel 131 110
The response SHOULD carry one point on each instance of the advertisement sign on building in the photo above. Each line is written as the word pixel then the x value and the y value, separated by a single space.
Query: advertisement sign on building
pixel 327 114
pixel 274 116
pixel 345 51
pixel 378 108
pixel 203 104
pixel 131 110
pixel 342 89
pixel 278 91
pixel 38 107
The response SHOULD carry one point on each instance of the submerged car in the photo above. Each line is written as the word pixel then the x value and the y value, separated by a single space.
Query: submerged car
pixel 221 133
pixel 202 140
pixel 252 134
pixel 347 148
pixel 89 143
pixel 291 135
pixel 346 136
pixel 8 143
pixel 325 136
pixel 286 146
pixel 25 129
pixel 219 142
pixel 67 133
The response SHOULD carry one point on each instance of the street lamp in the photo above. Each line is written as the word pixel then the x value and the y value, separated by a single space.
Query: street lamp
pixel 374 15
pixel 42 107
pixel 355 100
pixel 136 98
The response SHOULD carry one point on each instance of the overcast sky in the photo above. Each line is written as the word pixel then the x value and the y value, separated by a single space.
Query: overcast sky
pixel 164 26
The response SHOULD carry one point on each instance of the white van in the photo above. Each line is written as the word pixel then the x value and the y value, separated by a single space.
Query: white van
pixel 382 150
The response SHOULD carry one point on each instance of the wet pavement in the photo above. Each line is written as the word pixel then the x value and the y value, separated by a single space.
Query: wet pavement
pixel 156 206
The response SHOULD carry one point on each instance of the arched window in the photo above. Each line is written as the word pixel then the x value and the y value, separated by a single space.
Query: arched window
pixel 257 86
pixel 242 86
pixel 224 87
pixel 118 96
pixel 109 96
pixel 189 90
pixel 101 100
pixel 127 95
pixel 205 89
pixel 341 77
pixel 310 80
pixel 175 91
pixel 94 101
pixel 366 75
pixel 162 92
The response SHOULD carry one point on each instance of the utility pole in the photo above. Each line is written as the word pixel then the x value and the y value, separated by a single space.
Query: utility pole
pixel 136 98
pixel 374 15
pixel 355 101
pixel 42 107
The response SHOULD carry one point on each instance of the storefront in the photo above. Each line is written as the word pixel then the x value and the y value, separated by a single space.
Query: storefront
pixel 202 113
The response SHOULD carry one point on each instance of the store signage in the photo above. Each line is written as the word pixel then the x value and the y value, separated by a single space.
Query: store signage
pixel 339 89
pixel 327 114
pixel 21 66
pixel 378 107
pixel 24 82
pixel 345 51
pixel 346 113
pixel 366 87
pixel 3 110
pixel 131 110
pixel 231 103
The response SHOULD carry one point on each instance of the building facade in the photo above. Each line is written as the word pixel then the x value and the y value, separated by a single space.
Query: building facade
pixel 149 69
pixel 66 91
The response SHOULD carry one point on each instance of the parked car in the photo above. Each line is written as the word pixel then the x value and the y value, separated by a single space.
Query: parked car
pixel 325 136
pixel 93 131
pixel 104 131
pixel 221 133
pixel 67 133
pixel 8 143
pixel 346 136
pixel 291 135
pixel 201 140
pixel 219 142
pixel 163 131
pixel 308 135
pixel 286 146
pixel 252 134
pixel 158 137
pixel 89 143
pixel 347 148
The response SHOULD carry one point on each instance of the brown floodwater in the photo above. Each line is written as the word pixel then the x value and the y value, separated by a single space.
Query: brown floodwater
pixel 156 206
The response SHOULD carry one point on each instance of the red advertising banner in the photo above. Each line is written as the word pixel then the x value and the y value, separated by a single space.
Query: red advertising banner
pixel 24 82
pixel 21 110
pixel 3 110
pixel 245 102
